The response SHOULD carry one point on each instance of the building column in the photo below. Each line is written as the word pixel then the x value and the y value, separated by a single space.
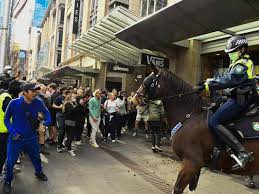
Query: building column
pixel 100 79
pixel 188 62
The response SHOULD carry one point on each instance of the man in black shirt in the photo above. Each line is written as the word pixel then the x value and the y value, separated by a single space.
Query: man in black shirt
pixel 53 129
pixel 58 105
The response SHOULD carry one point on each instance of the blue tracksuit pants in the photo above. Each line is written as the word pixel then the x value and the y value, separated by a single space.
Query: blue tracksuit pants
pixel 14 148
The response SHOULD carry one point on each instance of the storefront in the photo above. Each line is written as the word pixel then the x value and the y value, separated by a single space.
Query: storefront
pixel 195 58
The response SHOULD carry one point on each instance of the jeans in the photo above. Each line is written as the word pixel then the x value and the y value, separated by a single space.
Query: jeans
pixel 111 123
pixel 228 111
pixel 15 147
pixel 70 136
pixel 155 127
pixel 95 126
pixel 61 131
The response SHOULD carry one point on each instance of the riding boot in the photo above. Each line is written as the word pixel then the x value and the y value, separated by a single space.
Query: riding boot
pixel 229 139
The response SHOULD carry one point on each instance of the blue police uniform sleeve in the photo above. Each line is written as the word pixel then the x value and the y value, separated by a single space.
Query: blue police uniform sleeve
pixel 46 113
pixel 7 119
pixel 231 78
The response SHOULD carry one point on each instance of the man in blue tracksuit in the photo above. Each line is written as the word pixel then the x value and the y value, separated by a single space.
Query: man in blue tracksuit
pixel 22 120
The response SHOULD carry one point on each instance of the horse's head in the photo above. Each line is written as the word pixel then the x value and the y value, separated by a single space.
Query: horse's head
pixel 151 88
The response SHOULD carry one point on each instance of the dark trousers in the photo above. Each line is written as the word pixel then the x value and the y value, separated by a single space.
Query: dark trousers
pixel 15 147
pixel 110 125
pixel 79 130
pixel 121 122
pixel 230 110
pixel 3 149
pixel 89 128
pixel 70 131
pixel 131 119
pixel 155 127
pixel 61 131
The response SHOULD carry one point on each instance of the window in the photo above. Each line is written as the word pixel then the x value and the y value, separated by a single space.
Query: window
pixel 150 6
pixel 62 15
pixel 58 57
pixel 68 27
pixel 116 3
pixel 81 15
pixel 93 13
pixel 60 36
pixel 53 21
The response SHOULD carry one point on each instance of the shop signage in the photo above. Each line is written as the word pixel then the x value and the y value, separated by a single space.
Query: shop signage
pixel 147 59
pixel 76 16
pixel 118 67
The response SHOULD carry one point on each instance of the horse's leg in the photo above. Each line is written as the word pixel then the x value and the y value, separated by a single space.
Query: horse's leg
pixel 189 170
pixel 194 181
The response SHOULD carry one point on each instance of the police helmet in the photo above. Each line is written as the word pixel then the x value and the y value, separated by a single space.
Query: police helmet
pixel 236 42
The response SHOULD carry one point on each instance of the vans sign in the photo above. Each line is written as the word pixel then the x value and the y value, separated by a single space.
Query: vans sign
pixel 147 59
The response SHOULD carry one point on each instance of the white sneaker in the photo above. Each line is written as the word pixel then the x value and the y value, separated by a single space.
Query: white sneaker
pixel 95 145
pixel 134 134
pixel 113 141
pixel 71 152
pixel 78 143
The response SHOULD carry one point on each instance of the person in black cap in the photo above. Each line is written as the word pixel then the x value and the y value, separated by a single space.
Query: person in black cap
pixel 22 120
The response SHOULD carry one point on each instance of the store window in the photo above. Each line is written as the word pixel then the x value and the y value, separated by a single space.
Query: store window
pixel 150 6
pixel 93 12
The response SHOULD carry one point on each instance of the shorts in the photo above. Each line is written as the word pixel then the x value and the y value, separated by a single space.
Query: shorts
pixel 140 117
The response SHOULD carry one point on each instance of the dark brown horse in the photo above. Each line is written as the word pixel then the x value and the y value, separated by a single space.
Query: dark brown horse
pixel 194 142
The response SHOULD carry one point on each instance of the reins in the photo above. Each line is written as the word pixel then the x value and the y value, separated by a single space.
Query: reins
pixel 178 95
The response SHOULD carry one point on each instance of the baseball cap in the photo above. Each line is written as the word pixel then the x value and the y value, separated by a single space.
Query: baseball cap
pixel 30 86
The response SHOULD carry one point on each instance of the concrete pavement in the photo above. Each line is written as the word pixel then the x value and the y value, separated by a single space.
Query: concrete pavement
pixel 127 166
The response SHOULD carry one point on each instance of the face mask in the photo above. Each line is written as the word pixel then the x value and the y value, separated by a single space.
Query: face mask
pixel 233 56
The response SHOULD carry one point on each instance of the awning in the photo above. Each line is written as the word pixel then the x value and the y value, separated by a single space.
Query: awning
pixel 71 71
pixel 188 18
pixel 100 42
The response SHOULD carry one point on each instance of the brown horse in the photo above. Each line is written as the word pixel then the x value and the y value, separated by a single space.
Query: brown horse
pixel 193 143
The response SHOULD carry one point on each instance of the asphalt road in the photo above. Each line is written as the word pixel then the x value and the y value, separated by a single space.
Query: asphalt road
pixel 127 166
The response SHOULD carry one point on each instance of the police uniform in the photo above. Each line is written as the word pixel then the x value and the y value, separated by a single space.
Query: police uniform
pixel 240 80
pixel 240 75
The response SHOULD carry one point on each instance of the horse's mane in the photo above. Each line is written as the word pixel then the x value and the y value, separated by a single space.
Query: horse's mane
pixel 179 86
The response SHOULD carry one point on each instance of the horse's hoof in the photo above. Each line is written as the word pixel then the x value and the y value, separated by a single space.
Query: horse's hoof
pixel 250 185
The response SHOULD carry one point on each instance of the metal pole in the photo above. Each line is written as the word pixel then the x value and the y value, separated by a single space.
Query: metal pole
pixel 3 51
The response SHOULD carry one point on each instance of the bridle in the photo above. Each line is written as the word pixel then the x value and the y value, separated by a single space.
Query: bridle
pixel 152 88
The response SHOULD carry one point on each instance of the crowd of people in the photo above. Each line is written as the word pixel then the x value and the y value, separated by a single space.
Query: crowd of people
pixel 33 114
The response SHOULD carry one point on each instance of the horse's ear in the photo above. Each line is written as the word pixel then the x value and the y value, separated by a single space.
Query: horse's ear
pixel 154 68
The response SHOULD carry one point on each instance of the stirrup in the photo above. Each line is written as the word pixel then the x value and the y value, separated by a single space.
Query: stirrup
pixel 239 163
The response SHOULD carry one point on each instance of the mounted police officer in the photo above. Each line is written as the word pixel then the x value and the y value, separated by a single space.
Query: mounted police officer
pixel 240 80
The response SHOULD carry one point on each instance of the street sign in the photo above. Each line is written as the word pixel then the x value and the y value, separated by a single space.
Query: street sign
pixel 147 59
pixel 76 16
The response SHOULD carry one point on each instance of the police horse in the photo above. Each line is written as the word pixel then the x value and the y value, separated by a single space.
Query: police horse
pixel 192 141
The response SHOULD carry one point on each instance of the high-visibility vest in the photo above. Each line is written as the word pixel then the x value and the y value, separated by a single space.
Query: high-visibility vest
pixel 248 63
pixel 3 128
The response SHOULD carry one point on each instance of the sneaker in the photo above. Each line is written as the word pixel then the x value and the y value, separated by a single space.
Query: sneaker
pixel 154 149
pixel 59 149
pixel 16 169
pixel 95 145
pixel 147 136
pixel 18 160
pixel 113 141
pixel 7 187
pixel 158 148
pixel 41 176
pixel 43 151
pixel 78 143
pixel 71 152
pixel 134 134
